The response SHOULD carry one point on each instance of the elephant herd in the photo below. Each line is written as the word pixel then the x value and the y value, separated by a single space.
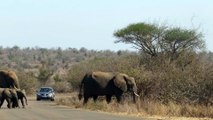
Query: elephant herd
pixel 10 90
pixel 93 84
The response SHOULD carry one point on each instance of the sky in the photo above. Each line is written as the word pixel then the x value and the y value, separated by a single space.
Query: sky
pixel 91 23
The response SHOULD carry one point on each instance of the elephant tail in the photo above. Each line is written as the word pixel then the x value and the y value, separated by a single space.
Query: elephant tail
pixel 80 95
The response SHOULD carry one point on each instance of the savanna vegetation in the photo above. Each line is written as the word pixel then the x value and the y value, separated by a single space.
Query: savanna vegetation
pixel 173 72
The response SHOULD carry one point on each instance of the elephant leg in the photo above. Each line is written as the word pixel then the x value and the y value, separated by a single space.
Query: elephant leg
pixel 133 96
pixel 17 103
pixel 9 104
pixel 108 98
pixel 95 98
pixel 13 104
pixel 22 102
pixel 85 99
pixel 1 102
pixel 119 98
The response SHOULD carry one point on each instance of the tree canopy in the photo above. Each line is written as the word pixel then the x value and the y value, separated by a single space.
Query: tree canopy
pixel 153 39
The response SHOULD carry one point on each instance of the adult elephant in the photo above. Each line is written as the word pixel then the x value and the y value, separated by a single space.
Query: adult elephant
pixel 106 84
pixel 8 79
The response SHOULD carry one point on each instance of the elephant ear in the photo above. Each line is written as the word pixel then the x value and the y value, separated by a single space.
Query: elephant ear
pixel 120 82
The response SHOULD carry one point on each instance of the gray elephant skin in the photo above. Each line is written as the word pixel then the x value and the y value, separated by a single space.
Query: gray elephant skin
pixel 106 84
pixel 8 79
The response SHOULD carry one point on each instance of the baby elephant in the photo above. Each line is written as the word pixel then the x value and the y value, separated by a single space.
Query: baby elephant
pixel 21 94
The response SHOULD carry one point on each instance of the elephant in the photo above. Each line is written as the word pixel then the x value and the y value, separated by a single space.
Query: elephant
pixel 107 84
pixel 21 94
pixel 2 97
pixel 8 79
pixel 10 95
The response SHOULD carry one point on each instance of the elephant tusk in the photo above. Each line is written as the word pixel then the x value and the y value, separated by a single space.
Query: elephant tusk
pixel 136 94
pixel 16 88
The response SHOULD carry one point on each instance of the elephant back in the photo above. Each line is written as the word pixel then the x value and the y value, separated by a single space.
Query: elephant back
pixel 102 77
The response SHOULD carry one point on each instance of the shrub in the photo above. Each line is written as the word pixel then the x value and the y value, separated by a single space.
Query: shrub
pixel 28 82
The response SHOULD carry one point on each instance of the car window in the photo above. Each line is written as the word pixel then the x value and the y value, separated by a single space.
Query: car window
pixel 45 90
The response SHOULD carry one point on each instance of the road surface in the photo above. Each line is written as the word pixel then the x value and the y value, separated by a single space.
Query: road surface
pixel 46 110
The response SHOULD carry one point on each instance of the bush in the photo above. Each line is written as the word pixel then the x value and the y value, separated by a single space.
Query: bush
pixel 62 87
pixel 28 82
pixel 187 79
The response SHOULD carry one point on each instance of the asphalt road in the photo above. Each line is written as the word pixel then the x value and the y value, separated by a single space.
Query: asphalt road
pixel 46 110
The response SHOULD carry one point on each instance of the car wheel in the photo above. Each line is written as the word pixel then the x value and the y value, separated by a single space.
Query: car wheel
pixel 38 99
pixel 52 99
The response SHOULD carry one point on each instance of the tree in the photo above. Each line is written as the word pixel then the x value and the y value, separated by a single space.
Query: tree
pixel 178 40
pixel 44 75
pixel 153 39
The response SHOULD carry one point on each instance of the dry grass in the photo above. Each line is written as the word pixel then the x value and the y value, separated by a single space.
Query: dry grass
pixel 170 111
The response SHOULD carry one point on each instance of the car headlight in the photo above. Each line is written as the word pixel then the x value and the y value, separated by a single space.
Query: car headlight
pixel 50 95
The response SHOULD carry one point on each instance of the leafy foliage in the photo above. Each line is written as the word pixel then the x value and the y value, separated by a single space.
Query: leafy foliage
pixel 154 39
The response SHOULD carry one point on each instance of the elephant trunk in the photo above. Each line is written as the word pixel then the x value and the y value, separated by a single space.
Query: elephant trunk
pixel 25 100
pixel 134 93
pixel 23 94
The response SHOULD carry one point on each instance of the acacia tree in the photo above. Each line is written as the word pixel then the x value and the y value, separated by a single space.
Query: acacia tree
pixel 153 39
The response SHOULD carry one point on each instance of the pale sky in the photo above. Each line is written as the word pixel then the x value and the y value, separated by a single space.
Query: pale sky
pixel 91 23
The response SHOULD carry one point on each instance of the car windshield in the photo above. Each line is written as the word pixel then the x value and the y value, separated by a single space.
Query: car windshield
pixel 45 90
